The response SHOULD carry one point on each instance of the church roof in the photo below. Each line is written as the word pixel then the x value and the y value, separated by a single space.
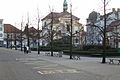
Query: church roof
pixel 56 16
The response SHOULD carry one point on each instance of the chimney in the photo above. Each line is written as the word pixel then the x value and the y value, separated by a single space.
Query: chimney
pixel 113 10
pixel 118 9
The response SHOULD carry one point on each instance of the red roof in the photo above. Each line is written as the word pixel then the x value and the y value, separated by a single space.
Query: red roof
pixel 31 30
pixel 8 28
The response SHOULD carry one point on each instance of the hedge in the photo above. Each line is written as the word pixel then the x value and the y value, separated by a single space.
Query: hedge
pixel 90 53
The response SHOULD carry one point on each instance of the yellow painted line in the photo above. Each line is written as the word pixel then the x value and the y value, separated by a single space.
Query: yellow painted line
pixel 59 71
pixel 32 62
pixel 27 59
pixel 28 63
pixel 41 68
pixel 51 65
pixel 46 66
pixel 39 72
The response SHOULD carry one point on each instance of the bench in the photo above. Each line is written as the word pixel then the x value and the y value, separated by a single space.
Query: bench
pixel 47 53
pixel 76 57
pixel 58 54
pixel 112 61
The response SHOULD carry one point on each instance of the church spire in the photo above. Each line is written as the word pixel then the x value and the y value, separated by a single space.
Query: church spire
pixel 65 6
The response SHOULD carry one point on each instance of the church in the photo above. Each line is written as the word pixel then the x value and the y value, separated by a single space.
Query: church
pixel 61 27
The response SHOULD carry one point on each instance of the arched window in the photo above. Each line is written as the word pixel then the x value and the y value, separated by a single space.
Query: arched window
pixel 76 40
pixel 68 27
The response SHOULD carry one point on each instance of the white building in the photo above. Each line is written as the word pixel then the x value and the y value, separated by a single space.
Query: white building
pixel 95 25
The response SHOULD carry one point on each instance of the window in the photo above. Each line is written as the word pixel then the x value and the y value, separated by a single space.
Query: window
pixel 1 34
pixel 76 40
pixel 68 27
pixel 45 24
pixel 0 28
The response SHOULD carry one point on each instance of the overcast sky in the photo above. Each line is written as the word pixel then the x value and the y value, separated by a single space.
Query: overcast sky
pixel 13 10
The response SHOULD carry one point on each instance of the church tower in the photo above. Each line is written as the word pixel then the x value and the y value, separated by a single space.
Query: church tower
pixel 65 6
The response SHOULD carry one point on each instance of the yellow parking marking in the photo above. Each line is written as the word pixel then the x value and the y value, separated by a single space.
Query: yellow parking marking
pixel 59 71
pixel 41 68
pixel 32 62
pixel 50 65
pixel 46 66
pixel 20 59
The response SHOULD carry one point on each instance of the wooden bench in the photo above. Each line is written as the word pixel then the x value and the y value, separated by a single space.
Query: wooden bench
pixel 76 57
pixel 112 61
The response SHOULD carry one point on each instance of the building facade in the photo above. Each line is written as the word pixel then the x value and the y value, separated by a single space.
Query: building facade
pixel 113 33
pixel 95 25
pixel 1 32
pixel 61 26
pixel 11 35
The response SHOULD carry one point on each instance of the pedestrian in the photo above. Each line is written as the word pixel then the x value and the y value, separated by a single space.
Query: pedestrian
pixel 27 49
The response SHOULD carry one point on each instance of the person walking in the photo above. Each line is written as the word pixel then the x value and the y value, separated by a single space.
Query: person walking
pixel 27 49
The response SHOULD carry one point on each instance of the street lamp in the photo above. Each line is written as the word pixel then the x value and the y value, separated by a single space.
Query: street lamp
pixel 38 32
pixel 38 36
pixel 71 36
pixel 21 34
pixel 51 33
pixel 11 37
pixel 28 41
pixel 104 35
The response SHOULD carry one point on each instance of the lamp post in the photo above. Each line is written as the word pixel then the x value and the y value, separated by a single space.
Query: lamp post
pixel 104 35
pixel 15 41
pixel 28 41
pixel 38 35
pixel 7 39
pixel 15 37
pixel 51 33
pixel 11 37
pixel 21 34
pixel 71 36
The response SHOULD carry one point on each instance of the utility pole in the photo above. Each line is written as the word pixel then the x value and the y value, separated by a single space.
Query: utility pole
pixel 104 34
pixel 71 35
